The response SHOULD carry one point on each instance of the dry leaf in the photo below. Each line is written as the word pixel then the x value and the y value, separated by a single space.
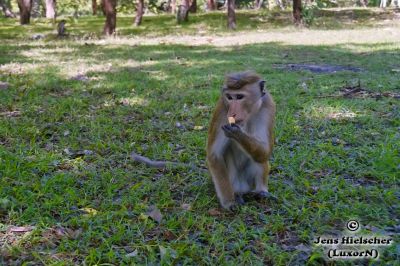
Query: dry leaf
pixel 132 254
pixel 168 235
pixel 214 212
pixel 186 206
pixel 155 214
pixel 89 211
pixel 21 229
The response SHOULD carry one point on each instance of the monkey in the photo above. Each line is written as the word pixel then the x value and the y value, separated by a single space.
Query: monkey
pixel 238 154
pixel 61 29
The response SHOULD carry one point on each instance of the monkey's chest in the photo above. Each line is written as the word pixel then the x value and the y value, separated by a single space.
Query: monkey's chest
pixel 243 170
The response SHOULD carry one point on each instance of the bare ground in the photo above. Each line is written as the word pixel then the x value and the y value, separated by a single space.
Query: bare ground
pixel 286 36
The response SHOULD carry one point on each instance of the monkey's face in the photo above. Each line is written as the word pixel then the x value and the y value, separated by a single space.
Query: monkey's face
pixel 242 103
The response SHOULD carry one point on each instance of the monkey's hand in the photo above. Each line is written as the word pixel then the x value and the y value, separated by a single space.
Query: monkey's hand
pixel 232 131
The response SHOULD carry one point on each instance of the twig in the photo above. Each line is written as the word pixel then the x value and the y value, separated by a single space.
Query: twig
pixel 163 164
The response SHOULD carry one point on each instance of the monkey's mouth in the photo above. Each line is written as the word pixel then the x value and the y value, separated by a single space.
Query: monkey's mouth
pixel 239 122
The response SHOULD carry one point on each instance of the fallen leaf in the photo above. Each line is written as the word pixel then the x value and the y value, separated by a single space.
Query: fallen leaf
pixel 198 127
pixel 132 254
pixel 186 206
pixel 89 211
pixel 21 229
pixel 168 235
pixel 163 251
pixel 154 214
pixel 214 212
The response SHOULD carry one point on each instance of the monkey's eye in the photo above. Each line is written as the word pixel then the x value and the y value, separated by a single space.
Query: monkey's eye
pixel 229 96
pixel 239 96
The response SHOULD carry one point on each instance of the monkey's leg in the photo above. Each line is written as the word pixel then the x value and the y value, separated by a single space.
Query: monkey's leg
pixel 223 186
pixel 262 181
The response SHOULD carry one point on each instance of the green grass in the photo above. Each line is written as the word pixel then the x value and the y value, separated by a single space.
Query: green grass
pixel 327 167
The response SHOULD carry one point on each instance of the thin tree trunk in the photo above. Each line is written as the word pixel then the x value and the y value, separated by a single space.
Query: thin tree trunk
pixel 139 12
pixel 258 4
pixel 94 7
pixel 183 12
pixel 364 3
pixel 51 9
pixel 383 4
pixel 211 5
pixel 297 12
pixel 231 15
pixel 173 6
pixel 193 6
pixel 5 6
pixel 111 16
pixel 25 7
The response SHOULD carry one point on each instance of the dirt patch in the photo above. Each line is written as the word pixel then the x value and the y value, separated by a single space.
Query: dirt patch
pixel 358 91
pixel 317 68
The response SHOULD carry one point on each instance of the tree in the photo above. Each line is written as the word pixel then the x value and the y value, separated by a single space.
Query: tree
pixel 139 12
pixel 25 7
pixel 297 17
pixel 109 8
pixel 183 12
pixel 94 7
pixel 258 4
pixel 383 4
pixel 51 9
pixel 231 15
pixel 211 5
pixel 172 6
pixel 394 3
pixel 193 6
pixel 6 7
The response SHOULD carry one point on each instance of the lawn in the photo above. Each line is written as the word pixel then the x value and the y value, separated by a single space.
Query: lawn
pixel 72 111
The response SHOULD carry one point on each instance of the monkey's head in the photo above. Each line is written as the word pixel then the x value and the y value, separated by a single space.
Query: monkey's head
pixel 242 93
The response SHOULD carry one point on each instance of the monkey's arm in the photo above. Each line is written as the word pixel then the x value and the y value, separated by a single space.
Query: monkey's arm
pixel 257 149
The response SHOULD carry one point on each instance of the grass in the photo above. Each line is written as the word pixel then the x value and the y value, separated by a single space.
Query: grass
pixel 73 112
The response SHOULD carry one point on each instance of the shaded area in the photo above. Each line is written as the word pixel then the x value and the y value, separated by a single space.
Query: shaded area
pixel 318 68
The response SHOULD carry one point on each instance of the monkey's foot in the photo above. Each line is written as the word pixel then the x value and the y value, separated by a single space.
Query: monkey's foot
pixel 265 195
pixel 230 205
pixel 239 199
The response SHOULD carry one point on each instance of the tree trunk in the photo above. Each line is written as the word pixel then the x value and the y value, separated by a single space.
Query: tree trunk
pixel 25 7
pixel 94 7
pixel 383 4
pixel 258 4
pixel 173 6
pixel 297 17
pixel 183 12
pixel 109 7
pixel 211 5
pixel 6 7
pixel 51 9
pixel 193 6
pixel 364 3
pixel 231 15
pixel 139 12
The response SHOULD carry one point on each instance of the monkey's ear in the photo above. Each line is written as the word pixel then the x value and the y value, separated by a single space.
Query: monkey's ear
pixel 262 87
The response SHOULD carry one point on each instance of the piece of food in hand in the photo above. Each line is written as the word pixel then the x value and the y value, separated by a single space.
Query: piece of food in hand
pixel 231 120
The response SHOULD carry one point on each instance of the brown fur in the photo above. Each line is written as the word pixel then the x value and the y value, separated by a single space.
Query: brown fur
pixel 235 81
pixel 237 156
